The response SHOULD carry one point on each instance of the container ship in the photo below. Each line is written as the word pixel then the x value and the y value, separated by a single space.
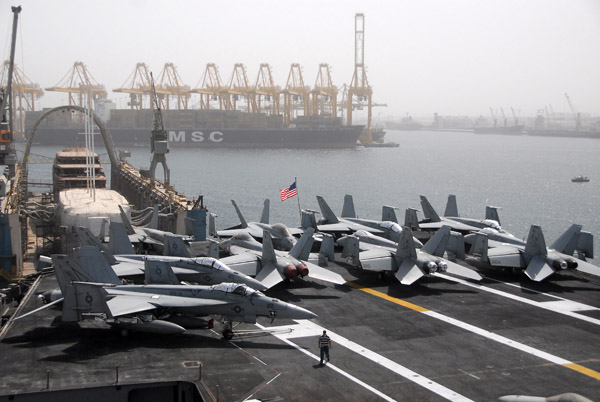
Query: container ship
pixel 202 129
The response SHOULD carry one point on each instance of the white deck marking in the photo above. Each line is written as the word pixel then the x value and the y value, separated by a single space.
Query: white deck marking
pixel 561 306
pixel 306 328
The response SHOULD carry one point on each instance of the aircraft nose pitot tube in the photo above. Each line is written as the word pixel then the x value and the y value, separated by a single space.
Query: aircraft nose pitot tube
pixel 290 272
pixel 302 270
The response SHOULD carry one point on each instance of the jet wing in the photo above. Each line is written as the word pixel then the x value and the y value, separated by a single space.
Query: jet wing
pixel 458 226
pixel 506 256
pixel 376 259
pixel 231 232
pixel 317 272
pixel 126 267
pixel 538 269
pixel 246 263
pixel 269 276
pixel 457 269
pixel 408 272
pixel 587 268
pixel 125 303
pixel 334 228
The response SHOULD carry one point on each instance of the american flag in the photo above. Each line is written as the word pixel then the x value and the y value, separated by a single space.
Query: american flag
pixel 288 192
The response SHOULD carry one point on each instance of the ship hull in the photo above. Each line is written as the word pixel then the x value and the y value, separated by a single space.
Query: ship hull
pixel 564 133
pixel 512 130
pixel 335 137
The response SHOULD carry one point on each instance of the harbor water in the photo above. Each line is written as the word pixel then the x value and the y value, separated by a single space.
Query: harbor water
pixel 528 177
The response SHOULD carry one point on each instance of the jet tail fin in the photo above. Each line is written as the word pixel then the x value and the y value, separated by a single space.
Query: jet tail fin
pixel 451 207
pixel 268 251
pixel 406 246
pixel 303 244
pixel 240 216
pixel 89 260
pixel 159 272
pixel 126 221
pixel 480 247
pixel 119 242
pixel 410 219
pixel 492 213
pixel 585 245
pixel 80 298
pixel 536 245
pixel 328 214
pixel 388 214
pixel 567 242
pixel 175 246
pixel 428 210
pixel 456 246
pixel 327 247
pixel 348 207
pixel 437 244
pixel 264 218
pixel 351 249
pixel 308 220
pixel 87 238
pixel 212 226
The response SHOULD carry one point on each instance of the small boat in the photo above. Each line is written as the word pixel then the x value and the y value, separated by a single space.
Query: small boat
pixel 580 179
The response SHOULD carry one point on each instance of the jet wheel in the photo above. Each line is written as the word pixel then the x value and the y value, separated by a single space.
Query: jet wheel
pixel 227 334
pixel 381 275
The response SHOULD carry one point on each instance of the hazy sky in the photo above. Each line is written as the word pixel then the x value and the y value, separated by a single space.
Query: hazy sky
pixel 454 57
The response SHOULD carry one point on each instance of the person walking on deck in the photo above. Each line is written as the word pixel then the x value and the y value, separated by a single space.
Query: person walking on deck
pixel 324 344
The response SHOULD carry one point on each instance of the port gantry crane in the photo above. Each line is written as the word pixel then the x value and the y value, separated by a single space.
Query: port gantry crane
pixel 324 94
pixel 138 86
pixel 266 91
pixel 211 88
pixel 79 83
pixel 170 85
pixel 577 115
pixel 24 95
pixel 295 95
pixel 239 86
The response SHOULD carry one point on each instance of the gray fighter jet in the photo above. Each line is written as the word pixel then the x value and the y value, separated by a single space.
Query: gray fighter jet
pixel 348 222
pixel 406 261
pixel 282 236
pixel 145 238
pixel 272 267
pixel 535 258
pixel 198 270
pixel 433 221
pixel 92 290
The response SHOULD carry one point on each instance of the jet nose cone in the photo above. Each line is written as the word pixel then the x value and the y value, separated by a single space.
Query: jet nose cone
pixel 296 312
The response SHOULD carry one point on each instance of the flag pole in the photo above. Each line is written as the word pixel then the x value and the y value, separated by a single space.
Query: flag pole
pixel 298 195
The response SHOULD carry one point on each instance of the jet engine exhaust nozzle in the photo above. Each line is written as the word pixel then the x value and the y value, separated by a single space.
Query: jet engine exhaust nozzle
pixel 559 264
pixel 302 270
pixel 290 272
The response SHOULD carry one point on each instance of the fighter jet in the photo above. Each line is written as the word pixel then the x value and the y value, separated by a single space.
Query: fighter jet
pixel 92 290
pixel 282 236
pixel 433 221
pixel 198 270
pixel 535 258
pixel 145 238
pixel 406 262
pixel 330 223
pixel 272 267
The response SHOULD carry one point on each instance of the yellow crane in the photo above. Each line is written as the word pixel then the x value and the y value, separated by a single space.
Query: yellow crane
pixel 295 95
pixel 239 87
pixel 211 88
pixel 324 93
pixel 170 85
pixel 24 94
pixel 138 85
pixel 265 90
pixel 79 82
pixel 359 86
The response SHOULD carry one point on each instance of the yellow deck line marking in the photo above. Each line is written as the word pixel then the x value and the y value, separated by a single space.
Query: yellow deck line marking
pixel 583 370
pixel 490 335
pixel 388 298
